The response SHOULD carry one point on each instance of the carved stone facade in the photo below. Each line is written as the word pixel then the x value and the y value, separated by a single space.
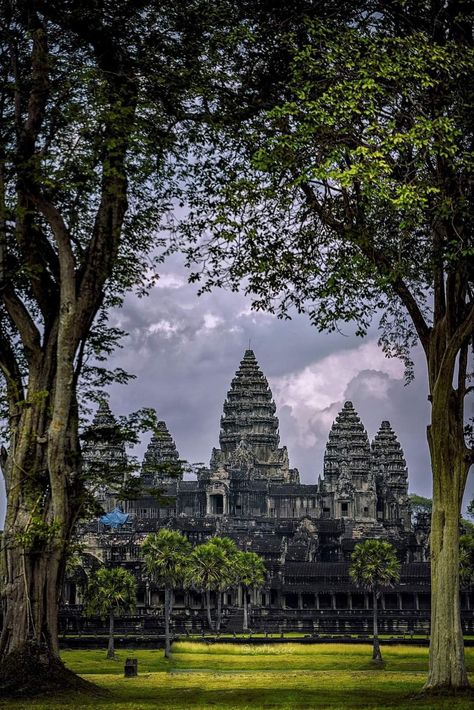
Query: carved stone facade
pixel 305 532
pixel 249 476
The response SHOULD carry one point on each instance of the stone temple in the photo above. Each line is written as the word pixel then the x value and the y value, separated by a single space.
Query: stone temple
pixel 305 532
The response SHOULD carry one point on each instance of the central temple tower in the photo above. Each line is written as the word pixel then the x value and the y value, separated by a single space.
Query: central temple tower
pixel 249 438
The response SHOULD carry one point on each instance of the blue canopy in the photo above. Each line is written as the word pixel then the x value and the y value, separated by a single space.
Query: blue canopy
pixel 115 519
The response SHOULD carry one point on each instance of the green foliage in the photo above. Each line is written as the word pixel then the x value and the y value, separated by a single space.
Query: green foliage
pixel 38 534
pixel 229 570
pixel 250 569
pixel 166 556
pixel 337 195
pixel 419 504
pixel 374 565
pixel 466 559
pixel 470 508
pixel 208 567
pixel 110 590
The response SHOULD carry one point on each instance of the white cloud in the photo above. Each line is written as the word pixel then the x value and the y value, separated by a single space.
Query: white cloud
pixel 211 321
pixel 164 327
pixel 253 315
pixel 171 281
pixel 316 393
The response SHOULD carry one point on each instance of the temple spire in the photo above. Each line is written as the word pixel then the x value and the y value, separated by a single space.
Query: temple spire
pixel 348 485
pixel 161 460
pixel 249 411
pixel 348 445
pixel 249 435
pixel 388 456
pixel 392 475
pixel 104 456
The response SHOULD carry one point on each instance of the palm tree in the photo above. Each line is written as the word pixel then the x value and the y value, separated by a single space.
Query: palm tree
pixel 208 571
pixel 374 565
pixel 110 592
pixel 166 555
pixel 228 573
pixel 250 574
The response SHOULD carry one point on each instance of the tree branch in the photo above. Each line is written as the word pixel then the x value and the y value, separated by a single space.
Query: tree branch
pixel 67 264
pixel 11 371
pixel 24 323
pixel 459 338
pixel 376 257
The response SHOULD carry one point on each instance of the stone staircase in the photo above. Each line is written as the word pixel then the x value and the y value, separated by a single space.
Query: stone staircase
pixel 366 530
pixel 235 622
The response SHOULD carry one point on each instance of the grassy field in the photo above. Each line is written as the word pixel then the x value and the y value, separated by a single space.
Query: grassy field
pixel 246 677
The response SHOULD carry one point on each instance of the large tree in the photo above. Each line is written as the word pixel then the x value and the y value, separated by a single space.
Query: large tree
pixel 91 99
pixel 346 191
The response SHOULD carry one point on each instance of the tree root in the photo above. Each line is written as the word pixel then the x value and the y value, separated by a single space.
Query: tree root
pixel 444 692
pixel 34 671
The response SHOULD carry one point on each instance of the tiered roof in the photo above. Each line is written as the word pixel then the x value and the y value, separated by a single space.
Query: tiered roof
pixel 103 442
pixel 103 453
pixel 249 410
pixel 249 429
pixel 348 447
pixel 161 460
pixel 388 457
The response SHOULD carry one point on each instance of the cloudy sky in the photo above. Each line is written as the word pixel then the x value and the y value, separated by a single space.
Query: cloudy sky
pixel 184 351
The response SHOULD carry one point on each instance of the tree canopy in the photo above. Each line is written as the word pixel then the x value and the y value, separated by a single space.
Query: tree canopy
pixel 348 194
pixel 93 101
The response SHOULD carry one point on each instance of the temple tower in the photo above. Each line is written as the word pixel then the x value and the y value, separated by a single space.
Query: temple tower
pixel 249 435
pixel 391 475
pixel 161 461
pixel 348 486
pixel 104 456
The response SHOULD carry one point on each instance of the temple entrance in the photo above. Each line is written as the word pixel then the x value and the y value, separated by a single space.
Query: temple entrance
pixel 216 504
pixel 380 509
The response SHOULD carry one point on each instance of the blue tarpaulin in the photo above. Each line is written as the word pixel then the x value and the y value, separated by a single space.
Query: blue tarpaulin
pixel 115 518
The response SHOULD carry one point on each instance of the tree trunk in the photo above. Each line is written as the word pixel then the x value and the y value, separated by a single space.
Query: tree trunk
pixel 111 648
pixel 208 607
pixel 246 610
pixel 376 653
pixel 219 610
pixel 447 670
pixel 38 524
pixel 167 621
pixel 32 559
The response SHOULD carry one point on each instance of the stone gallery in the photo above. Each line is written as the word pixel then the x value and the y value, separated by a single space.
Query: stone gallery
pixel 249 493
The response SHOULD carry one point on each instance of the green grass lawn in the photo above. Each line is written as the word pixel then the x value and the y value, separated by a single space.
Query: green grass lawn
pixel 246 677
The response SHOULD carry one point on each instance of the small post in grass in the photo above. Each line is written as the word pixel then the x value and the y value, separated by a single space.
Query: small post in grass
pixel 131 668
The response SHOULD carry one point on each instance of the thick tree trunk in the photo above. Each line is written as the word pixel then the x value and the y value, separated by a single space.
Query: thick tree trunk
pixel 208 607
pixel 447 670
pixel 167 622
pixel 34 540
pixel 38 526
pixel 376 653
pixel 111 647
